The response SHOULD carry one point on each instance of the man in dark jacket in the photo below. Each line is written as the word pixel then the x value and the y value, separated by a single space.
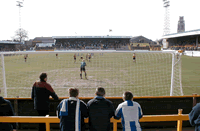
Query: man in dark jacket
pixel 194 117
pixel 100 111
pixel 40 94
pixel 6 109
pixel 72 112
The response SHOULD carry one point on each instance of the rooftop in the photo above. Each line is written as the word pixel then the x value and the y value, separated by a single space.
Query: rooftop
pixel 66 37
pixel 181 34
pixel 10 42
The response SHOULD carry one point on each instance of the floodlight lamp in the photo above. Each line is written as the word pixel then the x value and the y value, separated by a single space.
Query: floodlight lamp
pixel 166 4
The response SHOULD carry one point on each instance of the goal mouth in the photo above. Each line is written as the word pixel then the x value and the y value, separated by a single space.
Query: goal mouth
pixel 151 73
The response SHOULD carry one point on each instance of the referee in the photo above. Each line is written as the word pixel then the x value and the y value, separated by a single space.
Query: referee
pixel 82 68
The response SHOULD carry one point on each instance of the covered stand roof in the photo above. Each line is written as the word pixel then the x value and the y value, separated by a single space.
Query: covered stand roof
pixel 182 34
pixel 90 37
pixel 10 43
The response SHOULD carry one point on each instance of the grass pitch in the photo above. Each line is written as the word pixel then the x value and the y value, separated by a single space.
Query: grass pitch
pixel 149 76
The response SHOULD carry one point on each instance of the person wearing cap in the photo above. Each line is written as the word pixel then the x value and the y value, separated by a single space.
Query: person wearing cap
pixel 40 94
pixel 72 112
pixel 130 112
pixel 100 111
pixel 6 109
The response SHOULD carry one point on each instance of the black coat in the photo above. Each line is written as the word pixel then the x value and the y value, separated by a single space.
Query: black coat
pixel 40 94
pixel 100 111
pixel 194 117
pixel 6 109
pixel 67 123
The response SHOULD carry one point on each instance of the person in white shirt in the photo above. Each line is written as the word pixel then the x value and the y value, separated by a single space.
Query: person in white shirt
pixel 130 112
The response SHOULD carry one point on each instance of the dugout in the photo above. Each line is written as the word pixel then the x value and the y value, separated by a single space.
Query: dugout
pixel 162 105
pixel 188 40
pixel 91 42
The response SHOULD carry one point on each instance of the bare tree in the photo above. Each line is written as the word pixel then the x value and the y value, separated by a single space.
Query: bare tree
pixel 20 35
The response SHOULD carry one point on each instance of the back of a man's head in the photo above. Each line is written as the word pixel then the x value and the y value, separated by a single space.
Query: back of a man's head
pixel 43 76
pixel 128 95
pixel 73 92
pixel 100 91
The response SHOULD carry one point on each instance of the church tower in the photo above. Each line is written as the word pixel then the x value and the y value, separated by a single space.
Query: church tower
pixel 181 25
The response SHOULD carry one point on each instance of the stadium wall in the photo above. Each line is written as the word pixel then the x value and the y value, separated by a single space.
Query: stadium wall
pixel 150 106
pixel 192 53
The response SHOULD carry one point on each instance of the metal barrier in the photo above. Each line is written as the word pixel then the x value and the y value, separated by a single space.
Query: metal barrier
pixel 146 118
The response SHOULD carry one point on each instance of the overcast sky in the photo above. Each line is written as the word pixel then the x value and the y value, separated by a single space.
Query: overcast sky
pixel 95 17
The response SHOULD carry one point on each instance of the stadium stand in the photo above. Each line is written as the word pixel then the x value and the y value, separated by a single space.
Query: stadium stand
pixel 142 43
pixel 92 42
pixel 10 46
pixel 43 43
pixel 84 43
pixel 188 40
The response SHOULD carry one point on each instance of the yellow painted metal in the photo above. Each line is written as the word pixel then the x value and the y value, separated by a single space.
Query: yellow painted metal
pixel 143 97
pixel 179 122
pixel 52 119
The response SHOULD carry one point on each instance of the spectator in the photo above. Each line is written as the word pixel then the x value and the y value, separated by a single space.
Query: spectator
pixel 72 112
pixel 40 94
pixel 130 112
pixel 6 109
pixel 194 117
pixel 100 111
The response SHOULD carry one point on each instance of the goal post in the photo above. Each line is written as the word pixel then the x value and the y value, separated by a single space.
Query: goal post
pixel 153 73
pixel 3 80
pixel 176 82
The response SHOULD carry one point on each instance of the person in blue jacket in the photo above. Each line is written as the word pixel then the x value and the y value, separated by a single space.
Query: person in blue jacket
pixel 194 117
pixel 72 112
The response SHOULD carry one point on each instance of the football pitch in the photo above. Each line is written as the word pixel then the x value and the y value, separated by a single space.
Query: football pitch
pixel 149 76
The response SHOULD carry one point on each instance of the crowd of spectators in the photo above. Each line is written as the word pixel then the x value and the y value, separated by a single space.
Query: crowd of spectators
pixel 72 111
pixel 185 48
pixel 7 49
pixel 140 47
pixel 74 44
pixel 99 110
pixel 15 48
pixel 90 44
pixel 188 45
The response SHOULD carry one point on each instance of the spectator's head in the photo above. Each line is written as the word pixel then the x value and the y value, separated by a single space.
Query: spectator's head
pixel 81 57
pixel 83 60
pixel 100 91
pixel 73 92
pixel 128 95
pixel 43 77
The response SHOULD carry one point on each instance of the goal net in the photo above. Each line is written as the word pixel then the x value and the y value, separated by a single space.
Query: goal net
pixel 151 74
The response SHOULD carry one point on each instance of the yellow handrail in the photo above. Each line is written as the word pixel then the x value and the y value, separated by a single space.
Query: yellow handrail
pixel 147 118
pixel 136 97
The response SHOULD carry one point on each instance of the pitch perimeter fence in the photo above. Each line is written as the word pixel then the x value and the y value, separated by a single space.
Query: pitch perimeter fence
pixel 47 120
pixel 162 105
